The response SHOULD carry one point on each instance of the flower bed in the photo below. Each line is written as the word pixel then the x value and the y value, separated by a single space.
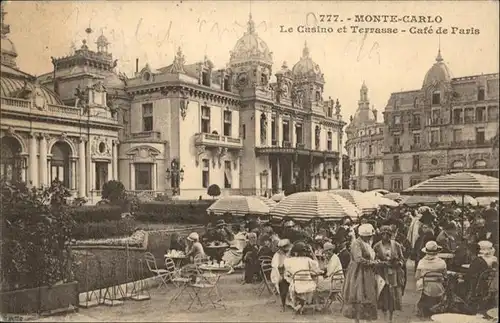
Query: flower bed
pixel 137 239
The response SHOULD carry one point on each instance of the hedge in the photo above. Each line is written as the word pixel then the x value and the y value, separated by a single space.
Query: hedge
pixel 97 213
pixel 104 229
pixel 189 212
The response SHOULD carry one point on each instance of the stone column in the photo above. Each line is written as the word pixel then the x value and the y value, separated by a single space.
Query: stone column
pixel 154 176
pixel 115 160
pixel 49 171
pixel 92 176
pixel 72 174
pixel 340 159
pixel 132 176
pixel 269 139
pixel 82 175
pixel 293 140
pixel 33 161
pixel 43 160
pixel 279 135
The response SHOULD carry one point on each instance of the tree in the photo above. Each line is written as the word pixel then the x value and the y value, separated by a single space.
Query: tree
pixel 36 230
pixel 213 190
pixel 114 191
pixel 346 171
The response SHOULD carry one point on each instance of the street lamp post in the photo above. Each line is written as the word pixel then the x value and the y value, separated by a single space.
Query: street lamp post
pixel 175 175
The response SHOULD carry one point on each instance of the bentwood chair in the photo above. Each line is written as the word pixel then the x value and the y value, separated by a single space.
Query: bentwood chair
pixel 174 276
pixel 160 274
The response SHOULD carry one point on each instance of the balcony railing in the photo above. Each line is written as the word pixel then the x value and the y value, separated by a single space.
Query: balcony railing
pixel 300 145
pixel 472 143
pixel 213 140
pixel 396 127
pixel 415 126
pixel 396 148
pixel 437 121
pixel 146 135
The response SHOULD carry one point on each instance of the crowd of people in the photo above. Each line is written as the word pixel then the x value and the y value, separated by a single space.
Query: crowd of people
pixel 367 258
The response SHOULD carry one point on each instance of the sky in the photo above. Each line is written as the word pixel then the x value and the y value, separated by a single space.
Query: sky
pixel 153 30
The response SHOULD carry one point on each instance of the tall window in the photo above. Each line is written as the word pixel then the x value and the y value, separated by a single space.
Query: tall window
pixel 480 94
pixel 416 139
pixel 493 113
pixel 244 131
pixel 480 135
pixel 298 133
pixel 330 111
pixel 435 116
pixel 395 164
pixel 396 140
pixel 396 184
pixel 147 117
pixel 469 115
pixel 370 149
pixel 143 176
pixel 416 119
pixel 414 181
pixel 227 174
pixel 434 136
pixel 60 164
pixel 480 114
pixel 273 129
pixel 370 167
pixel 10 161
pixel 317 135
pixel 457 116
pixel 354 151
pixel 329 142
pixel 227 123
pixel 436 97
pixel 227 85
pixel 286 131
pixel 205 173
pixel 205 119
pixel 370 184
pixel 205 78
pixel 354 168
pixel 329 179
pixel 101 174
pixel 457 135
pixel 416 163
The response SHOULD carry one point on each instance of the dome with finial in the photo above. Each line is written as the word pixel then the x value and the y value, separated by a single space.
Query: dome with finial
pixel 306 66
pixel 251 47
pixel 284 69
pixel 8 50
pixel 438 73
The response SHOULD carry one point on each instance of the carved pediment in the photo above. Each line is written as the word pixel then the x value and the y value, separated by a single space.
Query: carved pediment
pixel 143 153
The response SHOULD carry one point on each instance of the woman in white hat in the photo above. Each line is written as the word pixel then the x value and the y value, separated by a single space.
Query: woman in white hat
pixel 434 289
pixel 277 271
pixel 194 246
pixel 360 286
pixel 485 260
pixel 333 268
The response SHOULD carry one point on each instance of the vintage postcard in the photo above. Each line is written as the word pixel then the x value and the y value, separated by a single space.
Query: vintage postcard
pixel 249 161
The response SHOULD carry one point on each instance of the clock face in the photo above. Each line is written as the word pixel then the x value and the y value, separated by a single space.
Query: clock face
pixel 242 79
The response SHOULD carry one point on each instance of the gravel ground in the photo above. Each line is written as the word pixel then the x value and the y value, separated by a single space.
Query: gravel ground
pixel 243 304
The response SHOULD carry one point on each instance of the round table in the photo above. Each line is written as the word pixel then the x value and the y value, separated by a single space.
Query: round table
pixel 216 251
pixel 178 260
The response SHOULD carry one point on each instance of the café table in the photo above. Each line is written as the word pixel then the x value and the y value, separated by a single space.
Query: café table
pixel 179 260
pixel 216 250
pixel 493 313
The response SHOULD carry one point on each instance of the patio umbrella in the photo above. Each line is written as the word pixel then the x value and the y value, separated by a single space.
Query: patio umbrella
pixel 393 196
pixel 239 205
pixel 270 203
pixel 467 199
pixel 278 197
pixel 309 205
pixel 486 200
pixel 363 202
pixel 426 199
pixel 380 191
pixel 458 184
pixel 380 199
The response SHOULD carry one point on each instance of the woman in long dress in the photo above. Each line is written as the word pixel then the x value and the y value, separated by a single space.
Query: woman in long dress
pixel 390 253
pixel 360 286
pixel 278 268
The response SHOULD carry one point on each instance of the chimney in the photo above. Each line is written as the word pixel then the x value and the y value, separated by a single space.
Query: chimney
pixel 136 65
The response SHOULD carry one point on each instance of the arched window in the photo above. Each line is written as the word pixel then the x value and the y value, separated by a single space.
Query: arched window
pixel 60 163
pixel 436 98
pixel 10 160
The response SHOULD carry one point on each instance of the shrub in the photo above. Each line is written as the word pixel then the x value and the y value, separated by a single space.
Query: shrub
pixel 114 191
pixel 213 190
pixel 192 212
pixel 97 213
pixel 104 229
pixel 36 229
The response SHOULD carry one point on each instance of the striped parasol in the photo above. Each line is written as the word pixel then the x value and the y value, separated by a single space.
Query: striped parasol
pixel 278 197
pixel 309 205
pixel 380 199
pixel 458 183
pixel 270 203
pixel 426 199
pixel 363 202
pixel 239 205
pixel 486 200
pixel 379 191
pixel 393 196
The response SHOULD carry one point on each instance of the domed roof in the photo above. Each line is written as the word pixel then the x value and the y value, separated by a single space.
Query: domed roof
pixel 17 84
pixel 102 40
pixel 363 116
pixel 438 73
pixel 306 66
pixel 251 47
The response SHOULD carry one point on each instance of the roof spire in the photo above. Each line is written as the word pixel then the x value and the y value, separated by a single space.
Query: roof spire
pixel 439 58
pixel 250 24
pixel 305 51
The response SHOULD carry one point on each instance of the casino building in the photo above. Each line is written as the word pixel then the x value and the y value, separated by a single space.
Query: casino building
pixel 448 125
pixel 175 129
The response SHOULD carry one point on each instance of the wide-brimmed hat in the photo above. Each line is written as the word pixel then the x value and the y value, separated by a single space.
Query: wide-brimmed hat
pixel 220 223
pixel 431 247
pixel 485 247
pixel 328 246
pixel 193 236
pixel 366 230
pixel 284 244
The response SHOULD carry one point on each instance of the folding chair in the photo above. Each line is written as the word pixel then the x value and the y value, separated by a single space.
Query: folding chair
pixel 485 293
pixel 207 286
pixel 431 277
pixel 161 274
pixel 307 276
pixel 335 294
pixel 266 268
pixel 262 284
pixel 174 275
